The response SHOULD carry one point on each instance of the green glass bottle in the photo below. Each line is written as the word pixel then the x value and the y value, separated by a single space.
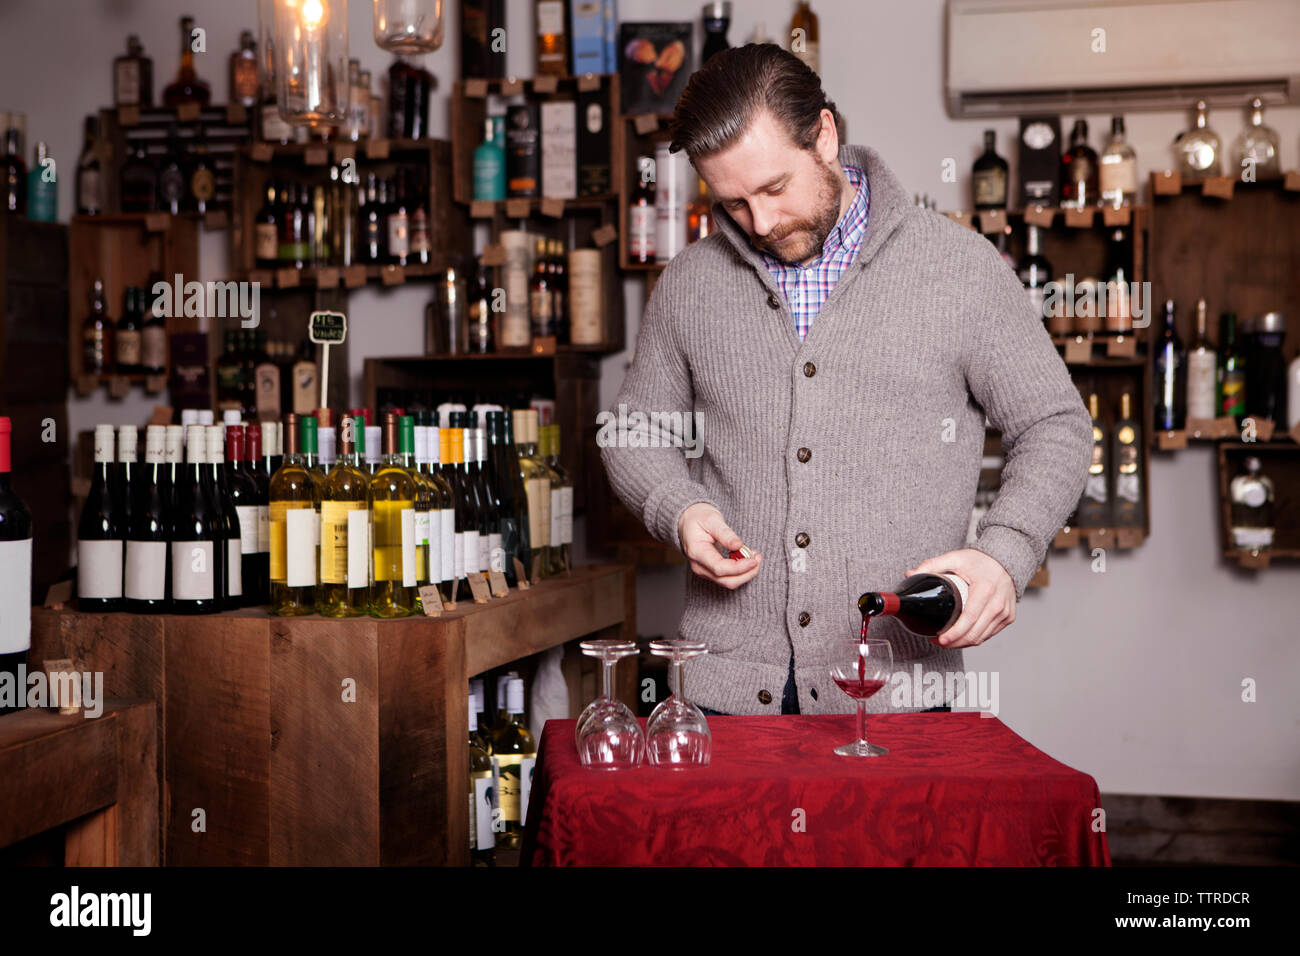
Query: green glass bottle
pixel 392 516
pixel 345 529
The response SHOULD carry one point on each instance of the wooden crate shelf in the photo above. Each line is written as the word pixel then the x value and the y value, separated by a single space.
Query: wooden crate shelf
pixel 1280 461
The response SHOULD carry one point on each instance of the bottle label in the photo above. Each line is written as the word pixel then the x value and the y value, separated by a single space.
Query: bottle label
pixel 89 190
pixel 458 556
pixel 1252 539
pixel 641 232
pixel 274 127
pixel 234 569
pixel 482 805
pixel 1128 488
pixel 15 596
pixel 1232 394
pixel 263 529
pixel 248 530
pixel 193 570
pixel 409 578
pixel 1095 488
pixel 514 780
pixel 146 570
pixel 398 241
pixel 337 544
pixel 484 552
pixel 557 513
pixel 566 519
pixel 128 347
pixel 471 553
pixel 126 82
pixel 990 187
pixel 203 185
pixel 268 242
pixel 449 544
pixel 538 491
pixel 550 18
pixel 99 569
pixel 1118 179
pixel 433 546
pixel 301 532
pixel 1200 384
pixel 153 347
pixel 496 555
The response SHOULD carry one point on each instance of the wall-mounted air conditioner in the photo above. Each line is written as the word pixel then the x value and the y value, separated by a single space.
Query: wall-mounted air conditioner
pixel 1010 57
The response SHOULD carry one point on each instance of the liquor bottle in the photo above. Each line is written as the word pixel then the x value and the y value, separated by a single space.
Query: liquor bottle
pixel 201 183
pixel 409 85
pixel 717 19
pixel 420 245
pixel 641 213
pixel 187 87
pixel 1230 375
pixel 292 514
pixel 232 565
pixel 552 42
pixel 358 122
pixel 244 498
pixel 196 535
pixel 243 71
pixel 133 76
pixel 1170 376
pixel 1266 373
pixel 128 337
pixel 399 237
pixel 925 604
pixel 90 183
pixel 1128 467
pixel 1202 372
pixel 513 757
pixel 489 165
pixel 1251 496
pixel 480 317
pixel 1197 151
pixel 100 533
pixel 153 336
pixel 1256 152
pixel 537 488
pixel 559 291
pixel 699 214
pixel 406 444
pixel 1118 174
pixel 145 577
pixel 561 502
pixel 42 190
pixel 804 36
pixel 464 506
pixel 255 468
pixel 15 172
pixel 345 530
pixel 989 176
pixel 372 223
pixel 228 370
pixel 540 301
pixel 392 506
pixel 1118 278
pixel 1079 180
pixel 1094 506
pixel 139 181
pixel 482 792
pixel 1034 270
pixel 172 186
pixel 16 582
pixel 512 501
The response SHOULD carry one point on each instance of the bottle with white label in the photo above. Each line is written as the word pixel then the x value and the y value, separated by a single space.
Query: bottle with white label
pixel 392 531
pixel 490 535
pixel 345 529
pixel 292 517
pixel 242 488
pixel 1251 494
pixel 100 534
pixel 441 542
pixel 561 500
pixel 214 471
pixel 408 441
pixel 145 583
pixel 1202 371
pixel 197 534
pixel 513 755
pixel 482 795
pixel 16 581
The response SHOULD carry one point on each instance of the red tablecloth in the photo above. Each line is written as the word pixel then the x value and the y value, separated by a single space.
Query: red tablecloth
pixel 955 789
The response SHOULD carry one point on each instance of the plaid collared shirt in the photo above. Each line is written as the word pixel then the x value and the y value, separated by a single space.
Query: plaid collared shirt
pixel 807 288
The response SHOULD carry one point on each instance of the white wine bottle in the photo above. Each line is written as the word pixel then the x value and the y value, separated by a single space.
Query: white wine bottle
pixel 513 755
pixel 392 515
pixel 345 529
pixel 482 795
pixel 292 514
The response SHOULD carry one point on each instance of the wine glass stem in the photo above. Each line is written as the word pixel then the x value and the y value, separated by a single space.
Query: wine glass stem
pixel 679 680
pixel 862 722
pixel 607 680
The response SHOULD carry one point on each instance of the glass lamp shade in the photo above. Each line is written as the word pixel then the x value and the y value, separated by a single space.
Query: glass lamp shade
pixel 311 61
pixel 408 26
pixel 266 49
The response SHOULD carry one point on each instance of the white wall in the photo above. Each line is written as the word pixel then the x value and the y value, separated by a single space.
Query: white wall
pixel 1132 675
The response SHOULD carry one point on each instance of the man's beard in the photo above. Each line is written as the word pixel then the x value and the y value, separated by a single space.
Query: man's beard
pixel 816 228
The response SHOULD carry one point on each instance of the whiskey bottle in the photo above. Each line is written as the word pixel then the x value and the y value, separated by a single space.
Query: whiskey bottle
pixel 1094 506
pixel 1255 152
pixel 804 36
pixel 1118 175
pixel 1251 497
pixel 133 76
pixel 989 176
pixel 552 38
pixel 187 87
pixel 1128 467
pixel 1079 179
pixel 1202 371
pixel 1198 151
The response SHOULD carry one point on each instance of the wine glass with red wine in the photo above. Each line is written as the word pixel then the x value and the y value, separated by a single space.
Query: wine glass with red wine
pixel 677 735
pixel 608 736
pixel 861 667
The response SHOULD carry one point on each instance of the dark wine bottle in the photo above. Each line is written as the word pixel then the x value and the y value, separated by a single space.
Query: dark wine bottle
pixel 197 535
pixel 243 498
pixel 1170 375
pixel 145 584
pixel 15 584
pixel 255 467
pixel 100 533
pixel 215 470
pixel 925 604
pixel 505 485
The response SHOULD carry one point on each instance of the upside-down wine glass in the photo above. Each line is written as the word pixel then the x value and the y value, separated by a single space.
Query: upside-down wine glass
pixel 677 735
pixel 608 736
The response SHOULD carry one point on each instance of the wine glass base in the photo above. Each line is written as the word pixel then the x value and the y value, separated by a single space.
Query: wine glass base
pixel 860 749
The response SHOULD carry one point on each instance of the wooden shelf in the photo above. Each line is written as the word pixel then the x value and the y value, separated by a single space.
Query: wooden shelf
pixel 1280 461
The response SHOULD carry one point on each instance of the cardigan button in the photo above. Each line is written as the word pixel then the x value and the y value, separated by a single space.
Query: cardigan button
pixel 809 369
pixel 804 618
pixel 803 454
pixel 802 539
pixel 773 302
pixel 764 697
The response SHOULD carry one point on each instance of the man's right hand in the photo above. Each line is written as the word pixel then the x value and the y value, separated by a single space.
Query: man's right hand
pixel 702 531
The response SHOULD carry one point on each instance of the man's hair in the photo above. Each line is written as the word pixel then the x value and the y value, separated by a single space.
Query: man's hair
pixel 723 97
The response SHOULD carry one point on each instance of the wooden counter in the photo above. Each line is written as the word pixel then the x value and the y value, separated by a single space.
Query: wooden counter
pixel 315 741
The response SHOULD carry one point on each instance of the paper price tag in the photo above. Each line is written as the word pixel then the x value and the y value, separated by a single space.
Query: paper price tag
pixel 327 328
pixel 476 89
pixel 1255 560
pixel 1171 441
pixel 1200 427
pixel 162 415
pixel 1225 426
pixel 520 576
pixel 482 209
pixel 646 123
pixel 65 685
pixel 992 221
pixel 1122 346
pixel 1116 215
pixel 236 114
pixel 546 84
pixel 605 234
pixel 128 116
pixel 157 221
pixel 518 208
pixel 961 218
pixel 494 254
pixel 344 151
pixel 216 219
pixel 512 86
pixel 1079 218
pixel 327 277
pixel 497 582
pixel 588 82
pixel 316 155
pixel 1166 183
pixel 354 276
pixel 1126 538
pixel 1078 351
pixel 286 278
pixel 188 112
pixel 392 275
pixel 431 600
pixel 86 384
pixel 1291 182
pixel 261 152
pixel 376 149
pixel 1066 538
pixel 1220 187
pixel 118 386
pixel 478 586
pixel 553 207
pixel 1040 215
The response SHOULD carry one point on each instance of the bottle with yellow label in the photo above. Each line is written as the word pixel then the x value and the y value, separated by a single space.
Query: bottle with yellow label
pixel 392 529
pixel 537 488
pixel 513 756
pixel 345 528
pixel 293 500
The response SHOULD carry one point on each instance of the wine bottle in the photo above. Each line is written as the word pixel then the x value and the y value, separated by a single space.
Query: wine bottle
pixel 442 515
pixel 492 551
pixel 508 488
pixel 232 575
pixel 1202 366
pixel 423 501
pixel 100 533
pixel 292 521
pixel 513 757
pixel 197 535
pixel 482 839
pixel 345 530
pixel 474 520
pixel 561 526
pixel 537 486
pixel 124 475
pixel 127 338
pixel 1170 375
pixel 96 332
pixel 487 525
pixel 515 468
pixel 392 514
pixel 255 468
pixel 15 583
pixel 243 494
pixel 1094 506
pixel 1128 466
pixel 1231 373
pixel 145 584
pixel 925 604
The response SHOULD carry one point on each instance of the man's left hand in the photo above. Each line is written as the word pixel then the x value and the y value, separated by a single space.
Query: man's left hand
pixel 991 601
